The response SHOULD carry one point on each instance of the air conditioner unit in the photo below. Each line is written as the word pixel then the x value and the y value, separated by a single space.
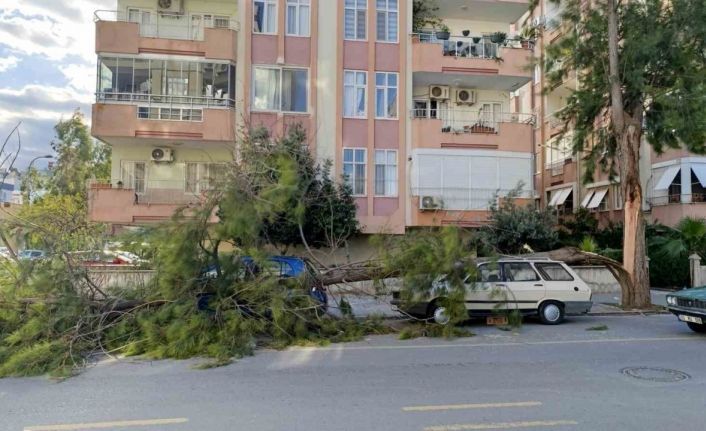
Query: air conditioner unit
pixel 539 21
pixel 162 155
pixel 174 7
pixel 465 96
pixel 439 92
pixel 431 203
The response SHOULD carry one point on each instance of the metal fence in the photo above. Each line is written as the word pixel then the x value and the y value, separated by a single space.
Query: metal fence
pixel 471 46
pixel 169 26
pixel 471 121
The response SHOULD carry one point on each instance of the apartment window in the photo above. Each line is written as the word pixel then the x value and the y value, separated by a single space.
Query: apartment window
pixel 354 169
pixel 617 194
pixel 169 81
pixel 386 172
pixel 387 20
pixel 201 177
pixel 298 17
pixel 355 16
pixel 424 108
pixel 265 16
pixel 355 90
pixel 280 89
pixel 386 95
pixel 133 175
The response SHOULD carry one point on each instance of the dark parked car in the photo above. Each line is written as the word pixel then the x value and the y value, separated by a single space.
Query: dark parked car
pixel 282 267
pixel 689 305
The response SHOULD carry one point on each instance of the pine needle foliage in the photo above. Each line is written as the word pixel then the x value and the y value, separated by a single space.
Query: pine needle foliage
pixel 204 302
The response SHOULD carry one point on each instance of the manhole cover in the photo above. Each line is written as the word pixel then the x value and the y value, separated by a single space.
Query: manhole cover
pixel 662 375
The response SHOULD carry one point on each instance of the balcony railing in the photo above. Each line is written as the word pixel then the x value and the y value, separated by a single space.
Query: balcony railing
pixel 169 26
pixel 472 46
pixel 460 121
pixel 696 198
pixel 466 199
pixel 166 192
pixel 165 100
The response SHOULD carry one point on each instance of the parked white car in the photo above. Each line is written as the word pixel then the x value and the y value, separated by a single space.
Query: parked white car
pixel 542 287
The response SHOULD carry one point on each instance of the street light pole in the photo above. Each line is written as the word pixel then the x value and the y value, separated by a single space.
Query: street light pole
pixel 29 172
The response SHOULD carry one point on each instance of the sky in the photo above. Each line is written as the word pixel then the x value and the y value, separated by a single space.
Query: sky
pixel 47 68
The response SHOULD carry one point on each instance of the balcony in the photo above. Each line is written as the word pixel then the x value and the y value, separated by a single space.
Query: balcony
pixel 149 201
pixel 495 66
pixel 472 129
pixel 184 122
pixel 208 36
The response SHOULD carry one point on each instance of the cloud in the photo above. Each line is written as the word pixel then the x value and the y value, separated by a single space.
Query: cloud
pixel 8 63
pixel 59 35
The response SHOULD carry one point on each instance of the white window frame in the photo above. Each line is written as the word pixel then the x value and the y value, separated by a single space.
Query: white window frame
pixel 386 181
pixel 355 8
pixel 386 89
pixel 386 11
pixel 352 179
pixel 298 6
pixel 159 109
pixel 130 184
pixel 202 181
pixel 281 70
pixel 265 16
pixel 355 86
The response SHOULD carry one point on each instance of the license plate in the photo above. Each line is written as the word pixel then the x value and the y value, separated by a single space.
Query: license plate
pixel 495 321
pixel 691 319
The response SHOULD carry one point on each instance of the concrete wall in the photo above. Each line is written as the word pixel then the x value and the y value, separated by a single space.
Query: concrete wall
pixel 107 278
pixel 598 278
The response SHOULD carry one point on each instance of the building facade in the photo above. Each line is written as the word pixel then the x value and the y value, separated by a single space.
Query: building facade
pixel 673 183
pixel 427 129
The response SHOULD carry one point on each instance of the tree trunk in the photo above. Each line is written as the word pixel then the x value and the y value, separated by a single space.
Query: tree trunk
pixel 628 137
pixel 634 249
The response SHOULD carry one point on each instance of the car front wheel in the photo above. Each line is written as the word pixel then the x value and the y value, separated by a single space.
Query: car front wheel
pixel 438 314
pixel 551 313
pixel 697 327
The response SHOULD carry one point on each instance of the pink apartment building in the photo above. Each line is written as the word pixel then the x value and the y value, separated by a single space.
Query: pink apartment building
pixel 426 130
pixel 674 183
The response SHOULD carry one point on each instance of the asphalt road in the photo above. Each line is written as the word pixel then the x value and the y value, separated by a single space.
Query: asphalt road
pixel 541 378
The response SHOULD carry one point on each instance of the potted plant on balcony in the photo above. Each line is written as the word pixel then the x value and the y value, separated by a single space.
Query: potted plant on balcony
pixel 424 15
pixel 528 35
pixel 465 33
pixel 443 32
pixel 498 37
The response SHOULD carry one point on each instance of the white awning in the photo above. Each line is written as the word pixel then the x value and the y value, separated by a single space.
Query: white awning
pixel 555 196
pixel 700 172
pixel 559 197
pixel 587 198
pixel 667 177
pixel 597 198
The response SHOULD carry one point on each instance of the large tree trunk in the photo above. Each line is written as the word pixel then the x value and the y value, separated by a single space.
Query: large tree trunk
pixel 628 137
pixel 634 250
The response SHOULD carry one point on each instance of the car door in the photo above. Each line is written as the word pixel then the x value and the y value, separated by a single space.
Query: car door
pixel 522 288
pixel 561 285
pixel 480 288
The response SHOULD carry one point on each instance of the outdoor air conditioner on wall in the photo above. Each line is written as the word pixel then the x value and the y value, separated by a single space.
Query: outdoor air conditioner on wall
pixel 439 92
pixel 162 155
pixel 175 7
pixel 465 96
pixel 430 203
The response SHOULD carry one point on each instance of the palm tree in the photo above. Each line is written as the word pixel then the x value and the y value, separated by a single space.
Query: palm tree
pixel 687 238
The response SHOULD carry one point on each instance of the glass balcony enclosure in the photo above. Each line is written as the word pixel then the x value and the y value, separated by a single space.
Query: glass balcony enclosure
pixel 173 82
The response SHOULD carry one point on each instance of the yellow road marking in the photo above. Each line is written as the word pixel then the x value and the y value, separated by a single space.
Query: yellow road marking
pixel 470 406
pixel 511 344
pixel 104 425
pixel 500 425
